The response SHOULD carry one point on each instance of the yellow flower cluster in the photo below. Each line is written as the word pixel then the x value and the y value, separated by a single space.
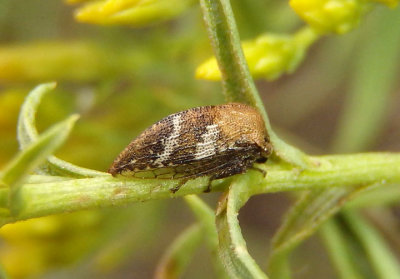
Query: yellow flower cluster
pixel 334 16
pixel 268 56
pixel 130 12
pixel 271 55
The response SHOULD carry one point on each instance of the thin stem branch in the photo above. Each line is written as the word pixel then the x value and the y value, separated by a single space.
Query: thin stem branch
pixel 237 81
pixel 39 198
pixel 236 78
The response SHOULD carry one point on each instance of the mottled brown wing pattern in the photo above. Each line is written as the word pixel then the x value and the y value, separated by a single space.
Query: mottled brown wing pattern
pixel 169 142
pixel 227 163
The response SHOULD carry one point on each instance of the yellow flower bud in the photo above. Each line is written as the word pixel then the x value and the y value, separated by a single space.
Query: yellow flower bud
pixel 331 16
pixel 268 56
pixel 130 12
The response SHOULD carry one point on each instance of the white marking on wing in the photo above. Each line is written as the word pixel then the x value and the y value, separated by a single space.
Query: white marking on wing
pixel 207 148
pixel 171 142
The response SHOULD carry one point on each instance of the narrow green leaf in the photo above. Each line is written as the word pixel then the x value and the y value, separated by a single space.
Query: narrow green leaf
pixel 179 254
pixel 383 260
pixel 335 242
pixel 237 82
pixel 304 218
pixel 27 134
pixel 36 152
pixel 206 218
pixel 377 196
pixel 232 246
pixel 26 131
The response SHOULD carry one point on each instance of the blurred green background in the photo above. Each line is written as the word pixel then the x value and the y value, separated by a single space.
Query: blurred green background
pixel 344 97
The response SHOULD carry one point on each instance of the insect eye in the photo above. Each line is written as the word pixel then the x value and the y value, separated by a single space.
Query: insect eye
pixel 261 160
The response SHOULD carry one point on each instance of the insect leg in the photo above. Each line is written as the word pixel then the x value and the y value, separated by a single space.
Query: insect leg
pixel 208 189
pixel 263 172
pixel 180 184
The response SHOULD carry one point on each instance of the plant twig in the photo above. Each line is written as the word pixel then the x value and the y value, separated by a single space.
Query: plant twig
pixel 58 195
pixel 232 246
pixel 237 81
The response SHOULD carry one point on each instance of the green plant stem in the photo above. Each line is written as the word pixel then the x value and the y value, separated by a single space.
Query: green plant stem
pixel 334 171
pixel 232 246
pixel 221 26
pixel 237 81
pixel 36 198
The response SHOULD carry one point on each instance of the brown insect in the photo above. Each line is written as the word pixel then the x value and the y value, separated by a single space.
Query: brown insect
pixel 215 141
